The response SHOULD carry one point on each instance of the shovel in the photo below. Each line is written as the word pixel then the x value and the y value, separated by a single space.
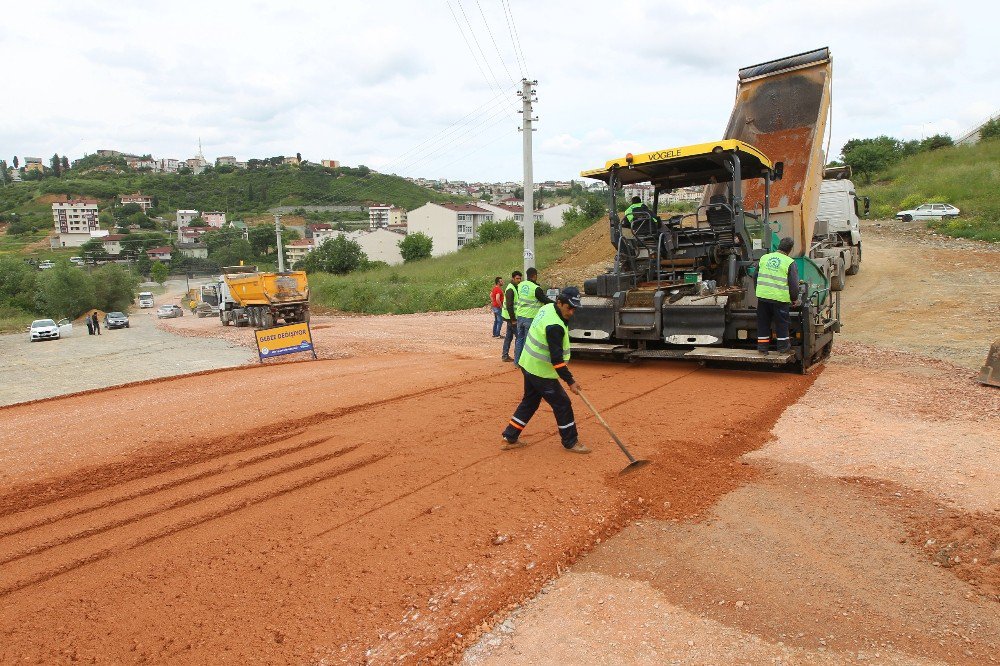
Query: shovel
pixel 633 463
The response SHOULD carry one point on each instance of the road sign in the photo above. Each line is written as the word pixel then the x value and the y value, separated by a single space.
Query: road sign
pixel 281 340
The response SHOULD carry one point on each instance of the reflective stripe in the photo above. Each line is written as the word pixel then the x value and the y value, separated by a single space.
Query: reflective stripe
pixel 559 365
pixel 772 277
pixel 514 418
pixel 541 357
pixel 768 282
pixel 571 423
pixel 519 427
pixel 779 339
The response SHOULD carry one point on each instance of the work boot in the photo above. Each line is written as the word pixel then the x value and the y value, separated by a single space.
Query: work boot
pixel 509 445
pixel 579 448
pixel 506 359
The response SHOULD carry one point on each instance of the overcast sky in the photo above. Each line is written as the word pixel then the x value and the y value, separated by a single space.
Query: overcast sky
pixel 382 82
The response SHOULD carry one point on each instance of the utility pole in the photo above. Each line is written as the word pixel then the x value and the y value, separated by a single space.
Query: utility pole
pixel 527 94
pixel 281 250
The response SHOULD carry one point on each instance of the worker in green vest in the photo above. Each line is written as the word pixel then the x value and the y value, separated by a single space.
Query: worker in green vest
pixel 510 314
pixel 777 288
pixel 643 211
pixel 530 299
pixel 543 363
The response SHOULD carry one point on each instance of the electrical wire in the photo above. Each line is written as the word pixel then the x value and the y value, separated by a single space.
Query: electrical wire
pixel 492 39
pixel 516 39
pixel 495 84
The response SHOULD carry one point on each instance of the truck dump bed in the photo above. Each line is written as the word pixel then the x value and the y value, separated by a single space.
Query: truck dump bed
pixel 268 288
pixel 781 108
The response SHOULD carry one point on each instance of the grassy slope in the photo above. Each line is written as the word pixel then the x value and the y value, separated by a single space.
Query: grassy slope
pixel 455 281
pixel 965 176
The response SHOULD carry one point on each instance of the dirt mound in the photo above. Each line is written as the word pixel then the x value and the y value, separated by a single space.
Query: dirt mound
pixel 587 254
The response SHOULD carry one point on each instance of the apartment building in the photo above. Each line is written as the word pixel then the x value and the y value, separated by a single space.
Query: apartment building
pixel 225 160
pixel 449 225
pixel 381 216
pixel 331 164
pixel 503 211
pixel 74 220
pixel 144 201
pixel 214 218
pixel 184 217
pixel 297 250
pixel 34 164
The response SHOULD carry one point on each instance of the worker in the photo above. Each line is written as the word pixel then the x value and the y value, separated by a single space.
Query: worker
pixel 530 298
pixel 510 312
pixel 496 305
pixel 777 288
pixel 543 362
pixel 638 207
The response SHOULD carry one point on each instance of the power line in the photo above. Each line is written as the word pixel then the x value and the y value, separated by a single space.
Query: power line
pixel 515 38
pixel 495 84
pixel 499 55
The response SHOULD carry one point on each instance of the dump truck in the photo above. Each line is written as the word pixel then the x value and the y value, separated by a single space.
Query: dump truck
pixel 684 287
pixel 838 224
pixel 262 299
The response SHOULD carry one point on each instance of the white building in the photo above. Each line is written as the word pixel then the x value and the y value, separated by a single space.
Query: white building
pixel 184 217
pixel 449 225
pixel 225 160
pixel 382 215
pixel 113 243
pixel 168 165
pixel 144 201
pixel 507 212
pixel 554 214
pixel 380 245
pixel 74 221
pixel 194 250
pixel 298 249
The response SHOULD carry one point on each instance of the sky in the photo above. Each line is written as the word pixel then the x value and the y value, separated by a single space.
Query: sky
pixel 428 87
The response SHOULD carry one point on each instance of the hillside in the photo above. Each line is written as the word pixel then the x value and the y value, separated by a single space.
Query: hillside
pixel 239 192
pixel 964 176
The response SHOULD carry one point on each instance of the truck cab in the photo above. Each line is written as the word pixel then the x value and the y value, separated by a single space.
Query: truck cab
pixel 145 299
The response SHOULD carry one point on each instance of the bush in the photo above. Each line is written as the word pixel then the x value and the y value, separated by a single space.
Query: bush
pixel 114 287
pixel 990 130
pixel 497 232
pixel 339 255
pixel 416 246
pixel 65 291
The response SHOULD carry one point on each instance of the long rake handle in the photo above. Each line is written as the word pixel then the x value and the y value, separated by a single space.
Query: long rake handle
pixel 607 427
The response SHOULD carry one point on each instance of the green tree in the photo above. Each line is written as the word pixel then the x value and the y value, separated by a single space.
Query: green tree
pixel 497 231
pixel 56 165
pixel 340 255
pixel 15 162
pixel 93 251
pixel 143 264
pixel 17 283
pixel 936 141
pixel 4 176
pixel 65 291
pixel 159 272
pixel 65 164
pixel 114 287
pixel 869 156
pixel 416 246
pixel 990 130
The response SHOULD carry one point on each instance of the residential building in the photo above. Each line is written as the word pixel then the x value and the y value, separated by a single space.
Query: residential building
pixel 74 220
pixel 320 235
pixel 298 249
pixel 113 243
pixel 194 250
pixel 226 160
pixel 449 225
pixel 191 234
pixel 144 201
pixel 554 214
pixel 184 217
pixel 331 164
pixel 105 152
pixel 319 226
pixel 507 212
pixel 241 226
pixel 146 162
pixel 291 160
pixel 168 165
pixel 214 218
pixel 381 216
pixel 159 253
pixel 379 245
pixel 34 164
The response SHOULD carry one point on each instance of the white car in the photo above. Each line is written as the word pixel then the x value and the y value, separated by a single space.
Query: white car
pixel 45 265
pixel 929 211
pixel 43 329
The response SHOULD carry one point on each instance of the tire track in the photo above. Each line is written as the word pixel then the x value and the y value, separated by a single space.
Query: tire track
pixel 176 504
pixel 105 553
pixel 72 513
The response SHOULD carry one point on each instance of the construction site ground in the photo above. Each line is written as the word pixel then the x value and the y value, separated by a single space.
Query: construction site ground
pixel 358 508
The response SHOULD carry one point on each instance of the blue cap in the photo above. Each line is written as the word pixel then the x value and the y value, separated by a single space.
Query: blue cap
pixel 571 295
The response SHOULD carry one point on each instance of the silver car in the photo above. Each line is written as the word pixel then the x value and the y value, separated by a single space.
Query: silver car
pixel 169 312
pixel 929 211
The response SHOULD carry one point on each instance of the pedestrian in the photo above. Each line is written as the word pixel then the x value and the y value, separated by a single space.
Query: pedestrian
pixel 496 304
pixel 90 325
pixel 543 362
pixel 510 313
pixel 777 288
pixel 530 299
pixel 97 323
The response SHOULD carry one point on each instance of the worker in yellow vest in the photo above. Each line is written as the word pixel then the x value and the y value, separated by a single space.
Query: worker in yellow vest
pixel 530 299
pixel 777 288
pixel 543 363
pixel 509 304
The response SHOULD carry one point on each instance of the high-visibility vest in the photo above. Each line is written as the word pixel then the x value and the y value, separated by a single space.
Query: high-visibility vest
pixel 512 288
pixel 536 357
pixel 772 277
pixel 526 304
pixel 630 211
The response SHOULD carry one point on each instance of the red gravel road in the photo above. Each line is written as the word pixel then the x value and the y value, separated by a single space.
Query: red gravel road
pixel 335 511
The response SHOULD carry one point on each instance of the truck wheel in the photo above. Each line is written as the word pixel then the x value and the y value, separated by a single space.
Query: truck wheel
pixel 304 316
pixel 267 320
pixel 837 275
pixel 855 263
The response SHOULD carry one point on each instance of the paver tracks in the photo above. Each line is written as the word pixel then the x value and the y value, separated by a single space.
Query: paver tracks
pixel 357 532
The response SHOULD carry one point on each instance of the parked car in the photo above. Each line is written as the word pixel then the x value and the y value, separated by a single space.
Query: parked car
pixel 169 312
pixel 77 260
pixel 116 320
pixel 43 329
pixel 44 265
pixel 929 211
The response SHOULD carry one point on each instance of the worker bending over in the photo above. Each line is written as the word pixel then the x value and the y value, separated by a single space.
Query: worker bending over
pixel 543 362
pixel 530 298
pixel 777 289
